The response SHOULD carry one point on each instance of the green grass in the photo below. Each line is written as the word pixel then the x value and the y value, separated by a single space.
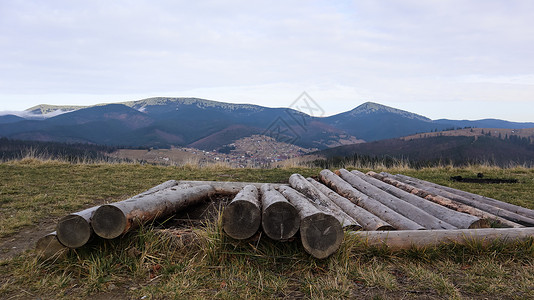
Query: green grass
pixel 145 264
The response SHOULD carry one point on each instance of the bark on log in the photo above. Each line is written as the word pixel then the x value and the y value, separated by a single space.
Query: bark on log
pixel 227 187
pixel 526 221
pixel 378 209
pixel 280 219
pixel 49 247
pixel 456 219
pixel 322 202
pixel 363 217
pixel 430 238
pixel 448 202
pixel 402 207
pixel 111 220
pixel 479 198
pixel 75 230
pixel 241 218
pixel 321 234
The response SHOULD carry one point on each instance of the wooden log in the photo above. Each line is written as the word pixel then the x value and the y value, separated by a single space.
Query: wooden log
pixel 455 218
pixel 111 220
pixel 526 221
pixel 49 247
pixel 322 202
pixel 227 187
pixel 429 238
pixel 363 217
pixel 241 218
pixel 321 234
pixel 402 207
pixel 479 198
pixel 280 219
pixel 75 230
pixel 372 205
pixel 448 202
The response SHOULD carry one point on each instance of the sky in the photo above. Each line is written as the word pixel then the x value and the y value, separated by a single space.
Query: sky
pixel 441 59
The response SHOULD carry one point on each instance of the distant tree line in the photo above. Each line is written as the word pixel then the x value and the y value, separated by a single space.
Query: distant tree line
pixel 17 149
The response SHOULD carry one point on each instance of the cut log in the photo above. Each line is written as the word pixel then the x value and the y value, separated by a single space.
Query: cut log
pixel 455 218
pixel 404 208
pixel 280 219
pixel 478 198
pixel 363 217
pixel 322 202
pixel 430 238
pixel 111 220
pixel 321 234
pixel 526 221
pixel 241 218
pixel 448 202
pixel 378 209
pixel 75 230
pixel 227 187
pixel 49 247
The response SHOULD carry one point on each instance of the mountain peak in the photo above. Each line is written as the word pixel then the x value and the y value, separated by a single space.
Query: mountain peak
pixel 372 107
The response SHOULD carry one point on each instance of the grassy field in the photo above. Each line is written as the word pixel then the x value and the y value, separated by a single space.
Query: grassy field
pixel 34 194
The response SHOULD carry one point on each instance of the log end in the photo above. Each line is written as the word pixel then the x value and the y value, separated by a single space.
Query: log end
pixel 109 222
pixel 480 223
pixel 73 231
pixel 49 247
pixel 384 227
pixel 241 219
pixel 321 235
pixel 280 221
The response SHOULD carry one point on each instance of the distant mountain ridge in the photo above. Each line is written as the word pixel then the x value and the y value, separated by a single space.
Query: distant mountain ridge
pixel 207 124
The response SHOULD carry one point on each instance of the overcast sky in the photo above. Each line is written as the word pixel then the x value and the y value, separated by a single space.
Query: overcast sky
pixel 442 59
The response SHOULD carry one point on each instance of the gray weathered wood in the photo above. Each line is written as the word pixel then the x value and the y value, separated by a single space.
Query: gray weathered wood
pixel 111 220
pixel 448 202
pixel 49 247
pixel 455 218
pixel 479 198
pixel 75 230
pixel 241 218
pixel 378 209
pixel 407 239
pixel 402 207
pixel 526 221
pixel 280 219
pixel 321 234
pixel 362 216
pixel 227 187
pixel 322 202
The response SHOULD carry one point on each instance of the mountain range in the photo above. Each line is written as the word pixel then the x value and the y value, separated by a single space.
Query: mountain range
pixel 206 124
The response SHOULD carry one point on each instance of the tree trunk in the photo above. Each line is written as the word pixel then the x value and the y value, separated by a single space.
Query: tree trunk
pixel 280 219
pixel 482 206
pixel 75 230
pixel 227 187
pixel 49 247
pixel 322 202
pixel 478 198
pixel 378 209
pixel 448 202
pixel 111 220
pixel 363 217
pixel 402 207
pixel 457 219
pixel 429 238
pixel 321 234
pixel 241 218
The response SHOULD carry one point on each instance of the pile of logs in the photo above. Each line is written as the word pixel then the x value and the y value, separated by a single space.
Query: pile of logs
pixel 384 209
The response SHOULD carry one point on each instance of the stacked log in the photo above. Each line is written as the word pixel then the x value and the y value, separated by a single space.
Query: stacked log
pixel 370 204
pixel 500 212
pixel 322 202
pixel 280 219
pixel 321 233
pixel 241 219
pixel 48 247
